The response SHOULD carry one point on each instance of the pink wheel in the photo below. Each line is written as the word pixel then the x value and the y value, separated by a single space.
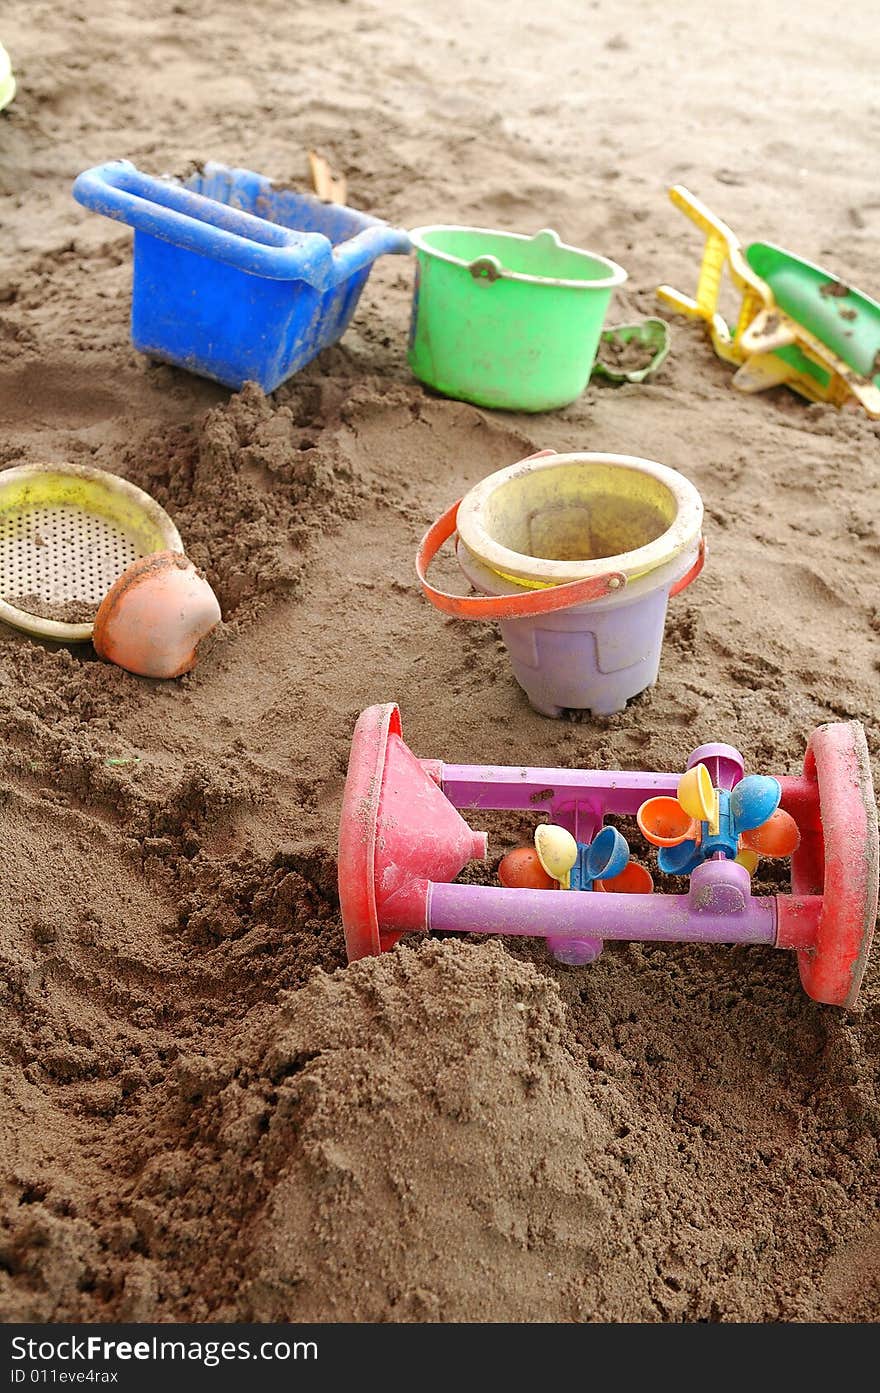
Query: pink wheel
pixel 839 860
pixel 398 832
pixel 357 831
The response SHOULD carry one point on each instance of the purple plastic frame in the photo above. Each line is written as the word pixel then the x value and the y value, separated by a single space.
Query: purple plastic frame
pixel 718 907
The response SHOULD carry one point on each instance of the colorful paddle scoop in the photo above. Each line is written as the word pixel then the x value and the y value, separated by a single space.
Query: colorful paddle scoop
pixel 704 822
pixel 560 862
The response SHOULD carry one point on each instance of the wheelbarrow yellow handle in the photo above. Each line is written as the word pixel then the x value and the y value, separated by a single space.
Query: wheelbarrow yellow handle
pixel 769 330
pixel 722 247
pixel 721 243
pixel 696 210
pixel 677 300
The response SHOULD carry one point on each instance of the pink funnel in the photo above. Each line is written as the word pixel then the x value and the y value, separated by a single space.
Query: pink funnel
pixel 397 832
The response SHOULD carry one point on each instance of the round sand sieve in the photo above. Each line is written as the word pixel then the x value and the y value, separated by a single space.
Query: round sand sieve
pixel 67 532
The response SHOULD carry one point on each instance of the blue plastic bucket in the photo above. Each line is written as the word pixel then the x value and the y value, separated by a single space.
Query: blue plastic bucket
pixel 234 278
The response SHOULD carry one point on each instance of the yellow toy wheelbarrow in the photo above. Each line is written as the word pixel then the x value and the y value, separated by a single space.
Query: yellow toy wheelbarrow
pixel 797 325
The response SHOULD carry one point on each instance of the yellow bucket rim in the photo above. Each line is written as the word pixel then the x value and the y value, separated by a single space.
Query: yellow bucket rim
pixel 25 486
pixel 535 572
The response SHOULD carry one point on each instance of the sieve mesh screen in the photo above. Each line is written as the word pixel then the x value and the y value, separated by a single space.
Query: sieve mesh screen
pixel 61 553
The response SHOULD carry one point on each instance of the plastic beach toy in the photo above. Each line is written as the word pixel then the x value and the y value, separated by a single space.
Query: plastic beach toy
pixel 602 864
pixel 522 869
pixel 797 325
pixel 504 320
pixel 402 842
pixel 235 278
pixel 650 336
pixel 153 619
pixel 705 821
pixel 67 531
pixel 576 555
pixel 557 852
pixel 7 81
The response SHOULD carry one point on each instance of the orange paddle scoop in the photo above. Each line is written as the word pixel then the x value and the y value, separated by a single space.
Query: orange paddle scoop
pixel 520 869
pixel 664 822
pixel 778 836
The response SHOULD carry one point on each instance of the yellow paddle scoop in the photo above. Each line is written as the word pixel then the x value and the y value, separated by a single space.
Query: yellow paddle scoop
pixel 557 852
pixel 698 798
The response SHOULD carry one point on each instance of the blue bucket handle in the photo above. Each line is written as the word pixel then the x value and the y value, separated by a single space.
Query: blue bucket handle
pixel 203 225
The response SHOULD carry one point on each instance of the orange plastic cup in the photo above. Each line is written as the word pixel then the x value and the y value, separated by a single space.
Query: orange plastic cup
pixel 520 869
pixel 664 822
pixel 778 836
pixel 633 880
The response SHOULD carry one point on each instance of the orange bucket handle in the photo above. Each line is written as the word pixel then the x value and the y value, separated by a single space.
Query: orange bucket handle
pixel 692 574
pixel 529 603
pixel 545 601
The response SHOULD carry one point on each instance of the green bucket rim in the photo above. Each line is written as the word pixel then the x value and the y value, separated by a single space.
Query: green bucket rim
pixel 616 274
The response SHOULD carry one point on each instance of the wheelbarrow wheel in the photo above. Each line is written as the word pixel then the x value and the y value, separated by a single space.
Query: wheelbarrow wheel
pixel 357 832
pixel 843 864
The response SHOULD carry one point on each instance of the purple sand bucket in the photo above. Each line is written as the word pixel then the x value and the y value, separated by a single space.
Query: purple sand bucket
pixel 576 555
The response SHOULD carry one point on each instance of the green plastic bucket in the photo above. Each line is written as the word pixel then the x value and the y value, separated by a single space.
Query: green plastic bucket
pixel 504 320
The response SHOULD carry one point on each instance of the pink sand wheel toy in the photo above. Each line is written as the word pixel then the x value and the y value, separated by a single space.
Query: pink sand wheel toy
pixel 402 842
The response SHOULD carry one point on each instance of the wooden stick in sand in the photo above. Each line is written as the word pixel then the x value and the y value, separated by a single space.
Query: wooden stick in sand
pixel 327 185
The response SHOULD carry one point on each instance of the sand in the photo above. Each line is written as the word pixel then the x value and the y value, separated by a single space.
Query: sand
pixel 204 1114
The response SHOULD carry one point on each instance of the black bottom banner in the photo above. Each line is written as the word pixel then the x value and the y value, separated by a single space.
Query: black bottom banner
pixel 258 1357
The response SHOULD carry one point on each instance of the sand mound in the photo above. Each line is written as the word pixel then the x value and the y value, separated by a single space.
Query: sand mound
pixel 413 1139
pixel 441 1154
pixel 250 485
pixel 421 1138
